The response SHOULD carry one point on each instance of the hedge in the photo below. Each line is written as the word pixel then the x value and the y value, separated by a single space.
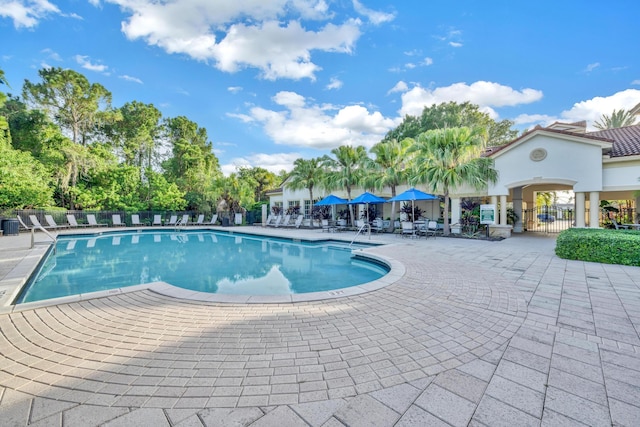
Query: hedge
pixel 605 246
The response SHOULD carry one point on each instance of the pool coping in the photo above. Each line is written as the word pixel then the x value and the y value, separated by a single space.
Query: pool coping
pixel 18 277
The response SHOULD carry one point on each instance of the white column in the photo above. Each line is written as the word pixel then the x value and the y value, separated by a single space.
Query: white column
pixel 517 209
pixel 580 213
pixel 494 201
pixel 594 209
pixel 455 211
pixel 503 210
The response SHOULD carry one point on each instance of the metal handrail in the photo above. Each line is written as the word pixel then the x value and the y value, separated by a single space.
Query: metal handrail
pixel 33 237
pixel 365 225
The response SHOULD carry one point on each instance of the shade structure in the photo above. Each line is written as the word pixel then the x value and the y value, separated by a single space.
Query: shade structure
pixel 412 194
pixel 367 199
pixel 331 200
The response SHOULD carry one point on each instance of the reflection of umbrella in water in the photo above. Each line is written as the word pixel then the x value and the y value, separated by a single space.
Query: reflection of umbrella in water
pixel 367 198
pixel 412 194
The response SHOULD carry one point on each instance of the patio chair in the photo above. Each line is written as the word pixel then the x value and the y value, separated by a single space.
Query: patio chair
pixel 52 222
pixel 184 220
pixel 199 221
pixel 326 226
pixel 408 230
pixel 135 220
pixel 117 221
pixel 173 220
pixel 619 226
pixel 285 221
pixel 214 220
pixel 36 223
pixel 269 220
pixel 431 229
pixel 71 219
pixel 91 219
pixel 277 221
pixel 22 224
pixel 297 223
pixel 157 220
pixel 377 226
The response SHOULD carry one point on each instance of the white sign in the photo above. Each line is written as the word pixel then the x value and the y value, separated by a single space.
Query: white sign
pixel 488 214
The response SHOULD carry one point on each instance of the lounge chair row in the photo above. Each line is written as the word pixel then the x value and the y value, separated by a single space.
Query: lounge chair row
pixel 280 221
pixel 116 221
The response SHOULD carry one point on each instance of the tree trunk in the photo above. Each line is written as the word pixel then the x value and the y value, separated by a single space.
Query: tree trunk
pixel 446 228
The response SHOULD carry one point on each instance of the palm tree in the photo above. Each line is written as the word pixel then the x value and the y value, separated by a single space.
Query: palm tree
pixel 448 158
pixel 306 174
pixel 618 119
pixel 389 168
pixel 345 170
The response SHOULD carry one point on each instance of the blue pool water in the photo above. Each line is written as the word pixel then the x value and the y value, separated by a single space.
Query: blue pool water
pixel 204 261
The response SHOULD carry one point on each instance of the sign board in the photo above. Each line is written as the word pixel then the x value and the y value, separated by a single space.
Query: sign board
pixel 488 214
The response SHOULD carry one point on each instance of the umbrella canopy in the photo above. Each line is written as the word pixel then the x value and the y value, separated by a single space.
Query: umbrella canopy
pixel 412 194
pixel 367 198
pixel 331 200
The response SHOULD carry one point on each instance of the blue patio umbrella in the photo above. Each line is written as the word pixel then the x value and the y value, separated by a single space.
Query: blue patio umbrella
pixel 331 200
pixel 368 199
pixel 412 194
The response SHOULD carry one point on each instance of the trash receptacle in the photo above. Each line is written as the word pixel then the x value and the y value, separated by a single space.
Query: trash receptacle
pixel 10 227
pixel 225 222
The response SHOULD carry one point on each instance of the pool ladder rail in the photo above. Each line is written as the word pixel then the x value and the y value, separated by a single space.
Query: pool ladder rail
pixel 362 227
pixel 41 228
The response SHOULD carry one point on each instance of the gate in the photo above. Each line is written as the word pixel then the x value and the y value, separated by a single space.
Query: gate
pixel 548 219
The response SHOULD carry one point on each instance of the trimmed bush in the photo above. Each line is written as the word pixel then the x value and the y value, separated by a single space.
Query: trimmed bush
pixel 606 246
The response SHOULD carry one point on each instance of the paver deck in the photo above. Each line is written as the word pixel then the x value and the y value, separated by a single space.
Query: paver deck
pixel 474 333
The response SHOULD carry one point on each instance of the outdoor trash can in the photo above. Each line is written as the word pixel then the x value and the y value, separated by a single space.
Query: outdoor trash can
pixel 10 227
pixel 225 222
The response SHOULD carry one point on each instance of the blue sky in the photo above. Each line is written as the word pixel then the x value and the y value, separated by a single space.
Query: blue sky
pixel 274 80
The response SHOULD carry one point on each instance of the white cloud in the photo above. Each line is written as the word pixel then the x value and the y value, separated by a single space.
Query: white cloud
pixel 241 34
pixel 399 87
pixel 234 89
pixel 375 17
pixel 427 61
pixel 591 67
pixel 334 83
pixel 271 162
pixel 455 44
pixel 319 126
pixel 27 13
pixel 592 109
pixel 86 63
pixel 484 94
pixel 636 82
pixel 131 79
pixel 534 119
pixel 51 54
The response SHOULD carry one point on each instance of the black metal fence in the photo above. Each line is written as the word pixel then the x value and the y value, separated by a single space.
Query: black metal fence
pixel 548 219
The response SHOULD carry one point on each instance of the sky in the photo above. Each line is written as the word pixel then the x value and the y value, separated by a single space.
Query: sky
pixel 277 80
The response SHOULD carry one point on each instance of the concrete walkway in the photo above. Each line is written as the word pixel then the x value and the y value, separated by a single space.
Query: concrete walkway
pixel 474 333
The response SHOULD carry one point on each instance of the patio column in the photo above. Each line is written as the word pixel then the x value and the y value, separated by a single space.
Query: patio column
pixel 594 209
pixel 503 210
pixel 455 211
pixel 580 213
pixel 517 209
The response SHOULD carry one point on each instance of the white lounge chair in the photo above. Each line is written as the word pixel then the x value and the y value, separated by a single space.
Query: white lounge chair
pixel 297 223
pixel 157 220
pixel 71 219
pixel 184 220
pixel 199 221
pixel 173 220
pixel 135 220
pixel 52 222
pixel 276 221
pixel 326 226
pixel 214 220
pixel 377 225
pixel 285 221
pixel 36 223
pixel 91 219
pixel 269 220
pixel 117 221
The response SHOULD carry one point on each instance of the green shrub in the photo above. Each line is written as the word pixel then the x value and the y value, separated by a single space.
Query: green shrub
pixel 606 246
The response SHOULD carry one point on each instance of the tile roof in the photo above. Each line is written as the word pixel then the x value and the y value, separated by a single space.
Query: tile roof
pixel 626 140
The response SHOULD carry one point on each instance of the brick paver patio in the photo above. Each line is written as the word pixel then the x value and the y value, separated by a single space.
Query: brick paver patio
pixel 474 333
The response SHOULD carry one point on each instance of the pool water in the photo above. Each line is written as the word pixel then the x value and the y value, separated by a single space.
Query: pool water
pixel 205 261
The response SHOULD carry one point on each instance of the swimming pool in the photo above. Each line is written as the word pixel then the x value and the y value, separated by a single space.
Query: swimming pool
pixel 203 261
